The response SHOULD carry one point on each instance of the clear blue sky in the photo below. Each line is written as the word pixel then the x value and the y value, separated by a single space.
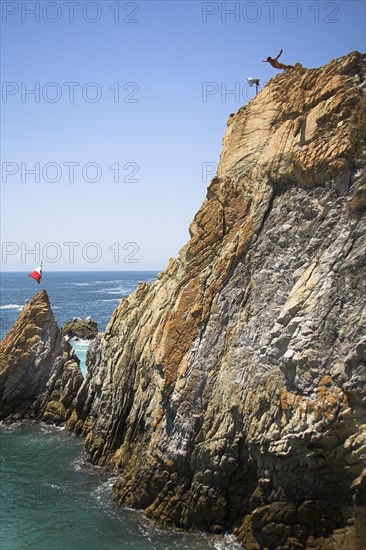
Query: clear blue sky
pixel 162 53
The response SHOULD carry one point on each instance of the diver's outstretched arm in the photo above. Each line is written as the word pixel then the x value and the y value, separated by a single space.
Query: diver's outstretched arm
pixel 279 55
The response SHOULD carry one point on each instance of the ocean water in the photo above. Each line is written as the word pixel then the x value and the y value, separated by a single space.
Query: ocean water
pixel 72 294
pixel 81 349
pixel 50 497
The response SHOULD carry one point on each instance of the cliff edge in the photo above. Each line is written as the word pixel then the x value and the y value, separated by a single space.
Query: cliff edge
pixel 230 394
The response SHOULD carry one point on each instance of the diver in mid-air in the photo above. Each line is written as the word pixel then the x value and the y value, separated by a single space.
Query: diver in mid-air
pixel 277 64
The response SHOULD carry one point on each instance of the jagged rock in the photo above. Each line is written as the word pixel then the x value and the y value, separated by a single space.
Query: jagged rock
pixel 86 329
pixel 39 372
pixel 230 394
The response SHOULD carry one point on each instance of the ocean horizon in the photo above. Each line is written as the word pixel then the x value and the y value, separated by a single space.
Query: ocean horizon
pixel 72 293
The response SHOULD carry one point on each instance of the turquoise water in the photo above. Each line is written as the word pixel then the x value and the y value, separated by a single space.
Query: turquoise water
pixel 51 499
pixel 81 348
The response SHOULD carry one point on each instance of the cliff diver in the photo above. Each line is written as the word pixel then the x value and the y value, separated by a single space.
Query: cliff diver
pixel 277 64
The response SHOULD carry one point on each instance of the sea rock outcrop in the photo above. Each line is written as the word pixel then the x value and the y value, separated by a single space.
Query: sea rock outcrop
pixel 39 372
pixel 86 329
pixel 230 394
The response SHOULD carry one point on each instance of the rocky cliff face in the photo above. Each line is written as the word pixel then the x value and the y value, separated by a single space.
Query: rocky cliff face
pixel 39 372
pixel 231 393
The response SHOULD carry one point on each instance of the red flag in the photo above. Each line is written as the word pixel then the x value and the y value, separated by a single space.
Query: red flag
pixel 37 274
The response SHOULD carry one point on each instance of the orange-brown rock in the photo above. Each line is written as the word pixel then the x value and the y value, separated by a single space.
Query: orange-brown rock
pixel 39 372
pixel 230 394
